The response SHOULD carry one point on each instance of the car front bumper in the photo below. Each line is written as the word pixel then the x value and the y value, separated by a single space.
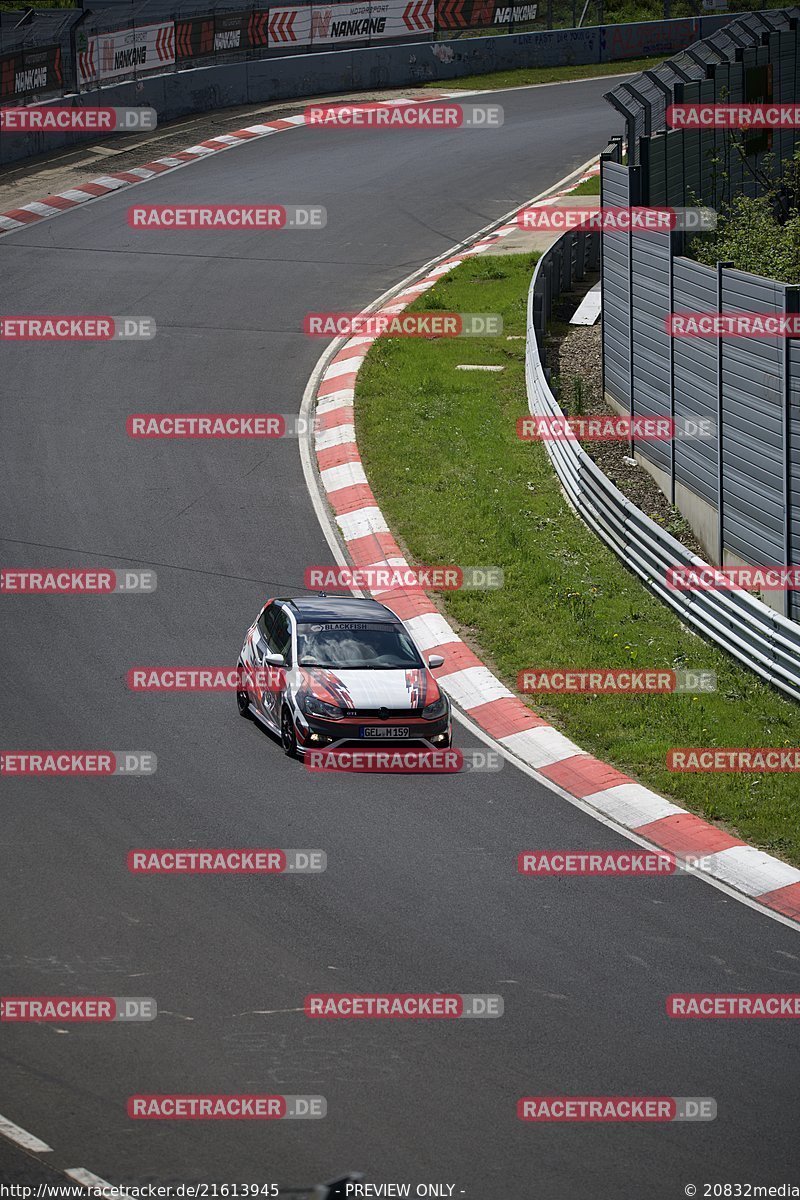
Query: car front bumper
pixel 316 733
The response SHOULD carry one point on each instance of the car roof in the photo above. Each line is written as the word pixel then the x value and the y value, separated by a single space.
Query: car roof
pixel 338 608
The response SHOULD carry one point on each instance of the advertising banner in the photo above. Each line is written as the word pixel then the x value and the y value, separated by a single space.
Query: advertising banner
pixel 33 72
pixel 126 52
pixel 290 26
pixel 484 14
pixel 220 33
pixel 329 24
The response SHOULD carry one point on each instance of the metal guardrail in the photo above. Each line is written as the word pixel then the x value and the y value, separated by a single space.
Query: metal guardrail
pixel 759 638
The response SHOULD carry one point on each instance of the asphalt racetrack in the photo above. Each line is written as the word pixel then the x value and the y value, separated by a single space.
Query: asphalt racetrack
pixel 421 892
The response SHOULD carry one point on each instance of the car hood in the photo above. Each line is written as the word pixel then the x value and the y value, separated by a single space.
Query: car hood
pixel 354 689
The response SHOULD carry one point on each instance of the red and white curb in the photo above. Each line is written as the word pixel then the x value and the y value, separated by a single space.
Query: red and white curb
pixel 488 703
pixel 104 185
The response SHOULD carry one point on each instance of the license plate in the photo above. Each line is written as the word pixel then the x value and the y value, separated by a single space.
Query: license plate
pixel 384 731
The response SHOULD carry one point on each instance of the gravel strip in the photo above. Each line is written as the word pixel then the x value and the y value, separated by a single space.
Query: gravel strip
pixel 576 354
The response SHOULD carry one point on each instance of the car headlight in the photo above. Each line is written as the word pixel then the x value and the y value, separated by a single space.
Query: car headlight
pixel 319 708
pixel 437 709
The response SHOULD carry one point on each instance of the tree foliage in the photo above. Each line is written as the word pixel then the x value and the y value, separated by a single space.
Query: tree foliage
pixel 759 234
pixel 749 235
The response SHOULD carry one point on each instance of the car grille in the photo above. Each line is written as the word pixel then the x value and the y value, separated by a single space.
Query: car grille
pixel 386 714
pixel 413 743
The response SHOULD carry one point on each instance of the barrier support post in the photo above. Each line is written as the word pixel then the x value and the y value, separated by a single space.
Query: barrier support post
pixel 720 456
pixel 634 199
pixel 791 304
pixel 671 303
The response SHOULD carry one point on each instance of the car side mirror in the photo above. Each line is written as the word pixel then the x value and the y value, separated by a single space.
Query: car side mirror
pixel 435 660
pixel 274 660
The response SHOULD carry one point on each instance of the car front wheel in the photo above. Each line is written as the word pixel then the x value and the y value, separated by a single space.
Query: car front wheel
pixel 242 699
pixel 288 735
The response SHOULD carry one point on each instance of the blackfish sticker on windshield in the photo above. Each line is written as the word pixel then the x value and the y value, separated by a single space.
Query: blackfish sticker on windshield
pixel 383 627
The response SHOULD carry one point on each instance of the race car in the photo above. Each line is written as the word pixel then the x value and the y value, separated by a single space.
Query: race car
pixel 342 672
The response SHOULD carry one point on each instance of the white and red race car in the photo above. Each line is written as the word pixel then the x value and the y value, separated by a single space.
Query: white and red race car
pixel 338 672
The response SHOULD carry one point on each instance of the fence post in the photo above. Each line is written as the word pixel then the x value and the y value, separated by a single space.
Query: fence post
pixel 612 155
pixel 721 266
pixel 634 198
pixel 602 303
pixel 791 304
pixel 78 30
pixel 671 302
pixel 664 88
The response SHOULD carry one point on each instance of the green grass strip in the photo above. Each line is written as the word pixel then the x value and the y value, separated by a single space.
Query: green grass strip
pixel 589 187
pixel 457 486
pixel 524 76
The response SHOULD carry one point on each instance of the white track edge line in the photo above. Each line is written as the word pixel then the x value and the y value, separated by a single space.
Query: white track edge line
pixel 88 1180
pixel 21 1137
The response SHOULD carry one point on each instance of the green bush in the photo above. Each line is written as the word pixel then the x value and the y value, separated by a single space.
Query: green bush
pixel 749 235
pixel 759 234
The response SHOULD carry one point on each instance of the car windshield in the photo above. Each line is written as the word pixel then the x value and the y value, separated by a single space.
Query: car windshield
pixel 365 645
